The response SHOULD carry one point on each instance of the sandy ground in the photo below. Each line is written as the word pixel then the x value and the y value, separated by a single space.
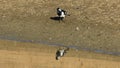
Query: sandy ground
pixel 97 21
pixel 28 55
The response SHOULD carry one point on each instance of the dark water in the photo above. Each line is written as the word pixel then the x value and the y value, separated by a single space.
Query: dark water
pixel 60 44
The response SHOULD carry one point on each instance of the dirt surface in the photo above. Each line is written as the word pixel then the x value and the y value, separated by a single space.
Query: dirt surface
pixel 92 24
pixel 28 55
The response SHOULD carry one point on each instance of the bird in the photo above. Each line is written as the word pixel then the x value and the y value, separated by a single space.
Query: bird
pixel 61 53
pixel 61 14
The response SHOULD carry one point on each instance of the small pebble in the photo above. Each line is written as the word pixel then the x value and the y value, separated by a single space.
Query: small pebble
pixel 77 28
pixel 50 38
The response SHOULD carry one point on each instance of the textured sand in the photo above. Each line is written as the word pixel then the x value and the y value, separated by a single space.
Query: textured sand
pixel 27 55
pixel 98 22
pixel 92 24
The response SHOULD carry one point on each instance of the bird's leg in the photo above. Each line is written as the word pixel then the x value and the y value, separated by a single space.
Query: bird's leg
pixel 62 19
pixel 59 19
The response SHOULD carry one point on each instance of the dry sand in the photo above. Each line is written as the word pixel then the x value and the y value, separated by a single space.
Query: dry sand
pixel 31 55
pixel 97 23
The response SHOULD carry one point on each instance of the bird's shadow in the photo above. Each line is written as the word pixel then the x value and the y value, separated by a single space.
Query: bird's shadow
pixel 55 18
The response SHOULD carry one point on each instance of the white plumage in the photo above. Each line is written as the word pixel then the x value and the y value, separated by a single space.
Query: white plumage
pixel 61 13
pixel 60 53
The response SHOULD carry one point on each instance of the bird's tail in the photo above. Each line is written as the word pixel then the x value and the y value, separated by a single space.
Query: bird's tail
pixel 67 49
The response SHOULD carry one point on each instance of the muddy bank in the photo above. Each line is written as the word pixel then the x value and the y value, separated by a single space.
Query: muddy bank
pixel 62 45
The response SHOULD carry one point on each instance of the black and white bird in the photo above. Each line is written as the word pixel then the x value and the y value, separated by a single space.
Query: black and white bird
pixel 61 14
pixel 61 53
